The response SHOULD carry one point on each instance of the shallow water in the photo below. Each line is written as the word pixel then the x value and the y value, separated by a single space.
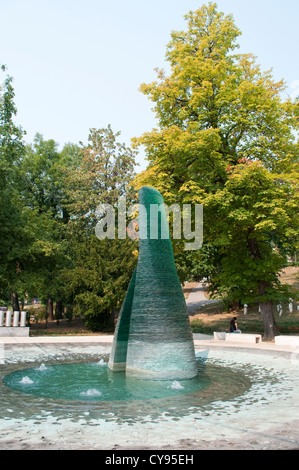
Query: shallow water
pixel 93 382
pixel 74 387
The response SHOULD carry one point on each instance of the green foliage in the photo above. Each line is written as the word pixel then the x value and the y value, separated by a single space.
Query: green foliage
pixel 37 314
pixel 102 175
pixel 15 237
pixel 99 272
pixel 216 108
pixel 254 210
pixel 97 282
pixel 11 135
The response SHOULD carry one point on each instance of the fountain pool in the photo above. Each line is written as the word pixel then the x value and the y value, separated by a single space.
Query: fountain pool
pixel 94 382
pixel 242 398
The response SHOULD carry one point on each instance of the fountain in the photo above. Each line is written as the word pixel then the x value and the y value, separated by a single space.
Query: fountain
pixel 152 342
pixel 153 338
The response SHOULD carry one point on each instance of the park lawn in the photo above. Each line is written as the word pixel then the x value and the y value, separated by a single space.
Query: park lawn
pixel 212 318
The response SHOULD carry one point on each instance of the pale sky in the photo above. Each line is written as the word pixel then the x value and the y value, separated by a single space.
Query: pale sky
pixel 78 64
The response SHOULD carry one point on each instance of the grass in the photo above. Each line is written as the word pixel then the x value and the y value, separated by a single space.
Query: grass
pixel 210 319
pixel 63 327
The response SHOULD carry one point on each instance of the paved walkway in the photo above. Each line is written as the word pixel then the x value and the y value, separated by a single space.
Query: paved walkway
pixel 197 299
pixel 67 339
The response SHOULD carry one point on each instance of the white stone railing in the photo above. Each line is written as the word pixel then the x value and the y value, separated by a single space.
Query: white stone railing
pixel 11 324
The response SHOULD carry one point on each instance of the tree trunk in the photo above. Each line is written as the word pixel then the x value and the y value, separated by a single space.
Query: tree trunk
pixel 111 319
pixel 270 328
pixel 58 311
pixel 50 308
pixel 15 302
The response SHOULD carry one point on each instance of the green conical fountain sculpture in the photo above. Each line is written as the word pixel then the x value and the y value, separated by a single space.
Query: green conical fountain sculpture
pixel 153 338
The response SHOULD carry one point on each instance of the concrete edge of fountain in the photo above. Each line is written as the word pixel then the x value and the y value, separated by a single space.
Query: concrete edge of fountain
pixel 200 340
pixel 56 339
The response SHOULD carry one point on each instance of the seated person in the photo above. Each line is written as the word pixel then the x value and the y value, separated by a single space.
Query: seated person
pixel 233 327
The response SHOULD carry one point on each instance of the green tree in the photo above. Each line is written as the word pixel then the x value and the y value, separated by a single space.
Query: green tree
pixel 11 135
pixel 217 111
pixel 97 278
pixel 14 234
pixel 102 176
pixel 255 221
pixel 43 167
pixel 97 281
pixel 44 193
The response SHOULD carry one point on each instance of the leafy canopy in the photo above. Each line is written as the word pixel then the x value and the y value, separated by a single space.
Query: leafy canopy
pixel 227 140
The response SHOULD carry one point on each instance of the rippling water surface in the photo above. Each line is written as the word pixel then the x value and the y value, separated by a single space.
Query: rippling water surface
pixel 72 388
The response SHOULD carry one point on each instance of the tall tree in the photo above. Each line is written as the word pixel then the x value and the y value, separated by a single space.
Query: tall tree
pixel 101 269
pixel 14 234
pixel 44 193
pixel 103 174
pixel 255 222
pixel 218 111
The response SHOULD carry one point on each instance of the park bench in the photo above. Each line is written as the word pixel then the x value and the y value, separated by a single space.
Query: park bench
pixel 237 337
pixel 287 340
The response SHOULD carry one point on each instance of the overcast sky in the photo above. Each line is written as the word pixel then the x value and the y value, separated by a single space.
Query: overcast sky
pixel 78 64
